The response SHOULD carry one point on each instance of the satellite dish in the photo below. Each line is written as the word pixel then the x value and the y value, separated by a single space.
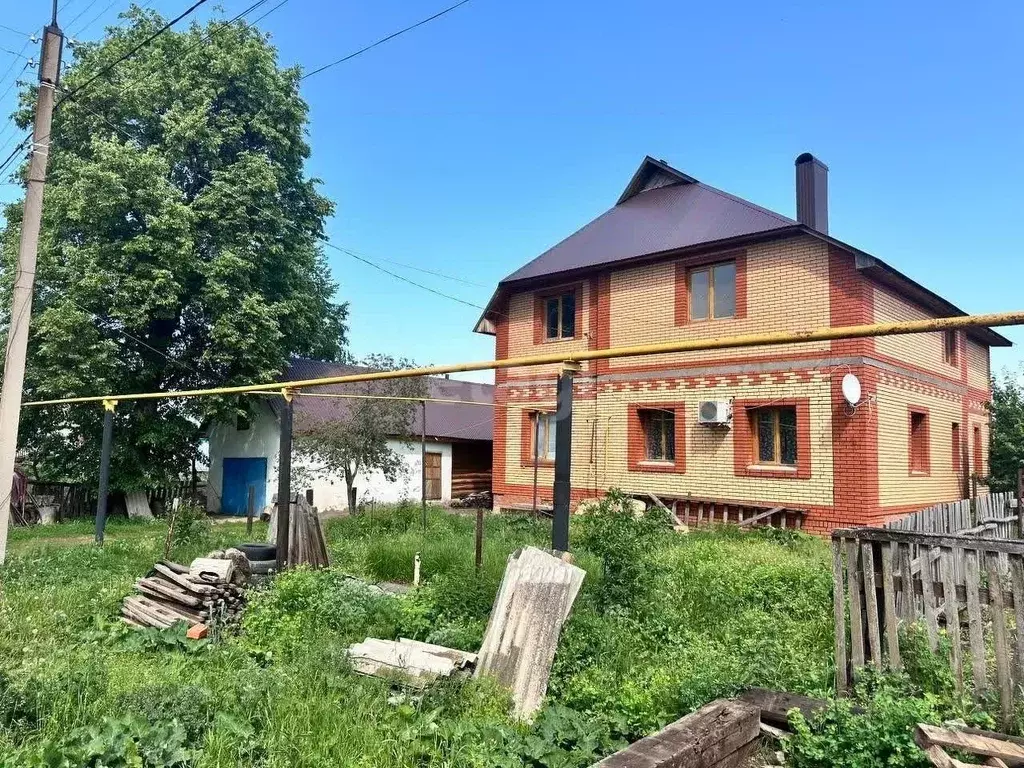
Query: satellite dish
pixel 851 389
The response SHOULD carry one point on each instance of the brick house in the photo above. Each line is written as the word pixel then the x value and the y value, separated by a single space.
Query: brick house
pixel 678 259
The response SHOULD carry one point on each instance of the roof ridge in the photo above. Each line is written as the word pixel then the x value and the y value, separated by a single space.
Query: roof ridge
pixel 747 203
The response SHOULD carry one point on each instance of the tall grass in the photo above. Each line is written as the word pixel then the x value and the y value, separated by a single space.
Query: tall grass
pixel 722 611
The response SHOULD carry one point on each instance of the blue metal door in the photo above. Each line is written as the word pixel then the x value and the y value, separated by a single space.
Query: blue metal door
pixel 239 476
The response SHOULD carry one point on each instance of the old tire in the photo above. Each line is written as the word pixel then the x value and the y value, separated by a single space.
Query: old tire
pixel 258 552
pixel 262 567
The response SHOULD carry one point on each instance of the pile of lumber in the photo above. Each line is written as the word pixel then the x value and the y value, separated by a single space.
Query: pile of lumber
pixel 203 593
pixel 306 542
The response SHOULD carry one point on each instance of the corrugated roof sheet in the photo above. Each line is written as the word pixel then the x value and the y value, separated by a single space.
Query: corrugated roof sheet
pixel 663 219
pixel 452 421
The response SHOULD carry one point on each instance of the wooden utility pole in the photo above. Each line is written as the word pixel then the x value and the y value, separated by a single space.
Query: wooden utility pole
pixel 563 458
pixel 284 481
pixel 423 462
pixel 24 282
pixel 105 449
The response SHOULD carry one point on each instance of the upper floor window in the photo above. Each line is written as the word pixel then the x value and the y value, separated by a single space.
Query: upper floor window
pixel 659 429
pixel 920 460
pixel 542 439
pixel 713 291
pixel 560 316
pixel 774 433
pixel 949 347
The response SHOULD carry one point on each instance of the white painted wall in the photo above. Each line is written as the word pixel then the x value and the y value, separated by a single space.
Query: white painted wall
pixel 329 491
pixel 225 441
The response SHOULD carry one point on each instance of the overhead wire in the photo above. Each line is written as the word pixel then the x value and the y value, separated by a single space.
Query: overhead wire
pixel 13 30
pixel 383 40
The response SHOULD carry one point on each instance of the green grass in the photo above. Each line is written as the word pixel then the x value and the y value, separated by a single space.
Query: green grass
pixel 720 611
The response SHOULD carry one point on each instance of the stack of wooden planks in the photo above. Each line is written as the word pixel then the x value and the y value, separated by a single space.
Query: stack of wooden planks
pixel 201 594
pixel 306 542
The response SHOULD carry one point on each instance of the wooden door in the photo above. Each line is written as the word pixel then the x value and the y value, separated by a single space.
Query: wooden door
pixel 433 476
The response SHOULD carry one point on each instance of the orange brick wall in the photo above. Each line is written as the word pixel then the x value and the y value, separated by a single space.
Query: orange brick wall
pixel 858 469
pixel 977 365
pixel 787 289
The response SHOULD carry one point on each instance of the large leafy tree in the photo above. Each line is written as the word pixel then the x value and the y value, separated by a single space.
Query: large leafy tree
pixel 180 244
pixel 1006 443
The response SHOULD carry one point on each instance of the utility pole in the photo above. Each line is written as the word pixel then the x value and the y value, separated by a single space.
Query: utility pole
pixel 24 282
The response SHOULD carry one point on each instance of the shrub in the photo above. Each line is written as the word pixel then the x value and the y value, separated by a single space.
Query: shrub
pixel 191 706
pixel 304 604
pixel 121 742
pixel 189 525
pixel 626 544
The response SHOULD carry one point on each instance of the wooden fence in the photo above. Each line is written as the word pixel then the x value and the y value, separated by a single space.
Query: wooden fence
pixel 970 586
pixel 70 501
pixel 994 515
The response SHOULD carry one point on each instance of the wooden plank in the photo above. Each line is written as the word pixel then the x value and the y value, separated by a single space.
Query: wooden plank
pixel 889 606
pixel 907 586
pixel 928 597
pixel 761 516
pixel 996 762
pixel 974 624
pixel 853 588
pixel 219 569
pixel 871 602
pixel 929 539
pixel 775 705
pixel 181 581
pixel 839 612
pixel 1002 648
pixel 1017 585
pixel 952 617
pixel 160 588
pixel 983 746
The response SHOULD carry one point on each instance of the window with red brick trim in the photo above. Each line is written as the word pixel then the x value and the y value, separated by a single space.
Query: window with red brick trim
pixel 558 314
pixel 711 287
pixel 979 469
pixel 656 435
pixel 918 441
pixel 949 348
pixel 956 446
pixel 772 438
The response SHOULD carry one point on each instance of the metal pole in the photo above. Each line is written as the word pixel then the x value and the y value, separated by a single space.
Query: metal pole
pixel 423 462
pixel 563 461
pixel 250 510
pixel 536 457
pixel 284 481
pixel 24 281
pixel 108 441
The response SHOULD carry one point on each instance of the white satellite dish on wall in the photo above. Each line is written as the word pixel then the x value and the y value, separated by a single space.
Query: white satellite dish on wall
pixel 851 389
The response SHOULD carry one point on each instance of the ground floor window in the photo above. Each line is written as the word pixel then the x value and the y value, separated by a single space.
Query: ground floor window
pixel 659 430
pixel 542 436
pixel 774 433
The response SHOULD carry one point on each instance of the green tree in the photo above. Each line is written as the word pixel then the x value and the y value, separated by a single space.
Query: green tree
pixel 180 244
pixel 1006 442
pixel 355 439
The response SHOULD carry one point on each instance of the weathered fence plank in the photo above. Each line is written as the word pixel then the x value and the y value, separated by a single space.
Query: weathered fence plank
pixel 952 614
pixel 974 625
pixel 871 602
pixel 839 605
pixel 928 595
pixel 854 585
pixel 1002 648
pixel 889 606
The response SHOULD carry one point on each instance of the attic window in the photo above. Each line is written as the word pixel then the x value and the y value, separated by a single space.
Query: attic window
pixel 560 316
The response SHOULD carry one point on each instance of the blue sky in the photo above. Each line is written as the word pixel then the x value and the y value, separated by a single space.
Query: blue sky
pixel 472 144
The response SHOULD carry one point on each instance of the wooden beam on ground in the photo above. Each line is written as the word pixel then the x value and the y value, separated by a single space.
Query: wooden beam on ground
pixel 761 516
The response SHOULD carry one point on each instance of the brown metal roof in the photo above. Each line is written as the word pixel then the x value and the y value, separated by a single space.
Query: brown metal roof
pixel 664 211
pixel 667 218
pixel 445 421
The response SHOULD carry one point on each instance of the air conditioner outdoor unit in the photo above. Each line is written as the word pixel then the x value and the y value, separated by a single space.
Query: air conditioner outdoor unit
pixel 714 412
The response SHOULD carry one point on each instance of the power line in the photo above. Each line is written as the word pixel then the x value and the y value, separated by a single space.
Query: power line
pixel 426 271
pixel 81 13
pixel 135 49
pixel 401 277
pixel 95 18
pixel 254 22
pixel 15 31
pixel 392 36
pixel 14 53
